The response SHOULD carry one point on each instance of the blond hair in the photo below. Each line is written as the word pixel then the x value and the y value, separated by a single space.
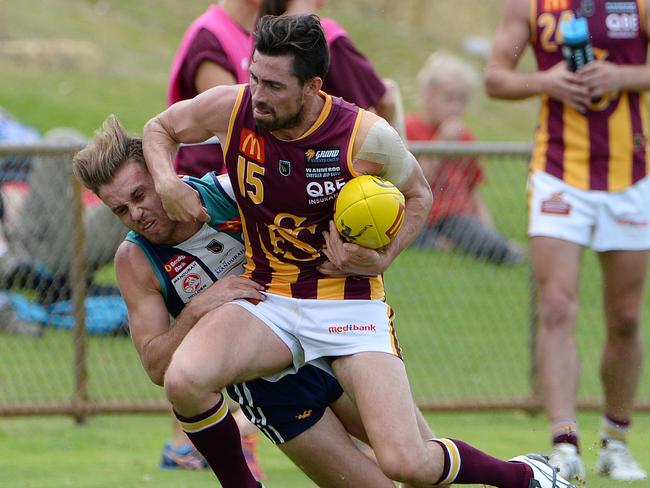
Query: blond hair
pixel 442 66
pixel 111 147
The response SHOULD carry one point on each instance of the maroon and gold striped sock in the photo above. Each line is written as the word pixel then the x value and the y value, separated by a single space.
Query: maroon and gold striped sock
pixel 215 435
pixel 467 465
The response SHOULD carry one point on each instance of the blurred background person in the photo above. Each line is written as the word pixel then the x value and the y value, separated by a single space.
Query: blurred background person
pixel 459 217
pixel 588 187
pixel 215 50
pixel 351 75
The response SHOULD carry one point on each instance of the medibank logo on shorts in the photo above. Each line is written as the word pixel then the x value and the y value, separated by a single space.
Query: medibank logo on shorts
pixel 342 329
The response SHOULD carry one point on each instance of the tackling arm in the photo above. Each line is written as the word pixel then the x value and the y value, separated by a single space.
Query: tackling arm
pixel 188 121
pixel 151 331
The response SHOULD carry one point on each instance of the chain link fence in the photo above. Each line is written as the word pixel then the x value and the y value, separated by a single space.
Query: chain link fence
pixel 465 321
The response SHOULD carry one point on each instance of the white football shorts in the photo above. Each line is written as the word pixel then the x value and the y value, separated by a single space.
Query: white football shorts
pixel 604 221
pixel 316 329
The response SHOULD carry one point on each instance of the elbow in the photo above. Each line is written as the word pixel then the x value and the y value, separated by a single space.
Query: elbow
pixel 156 375
pixel 491 85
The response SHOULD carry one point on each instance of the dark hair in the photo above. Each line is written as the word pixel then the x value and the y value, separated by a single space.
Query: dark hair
pixel 299 35
pixel 273 7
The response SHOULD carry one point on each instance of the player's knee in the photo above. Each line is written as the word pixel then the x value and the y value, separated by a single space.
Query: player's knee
pixel 181 384
pixel 400 464
pixel 558 309
pixel 625 325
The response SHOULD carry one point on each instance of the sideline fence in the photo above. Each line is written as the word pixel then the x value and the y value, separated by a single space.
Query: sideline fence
pixel 465 325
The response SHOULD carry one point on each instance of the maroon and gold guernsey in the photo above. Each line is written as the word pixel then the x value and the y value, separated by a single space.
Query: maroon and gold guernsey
pixel 286 192
pixel 604 148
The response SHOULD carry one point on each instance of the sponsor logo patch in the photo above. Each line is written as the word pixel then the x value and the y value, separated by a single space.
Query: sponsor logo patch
pixel 251 145
pixel 191 283
pixel 555 5
pixel 632 222
pixel 622 26
pixel 322 162
pixel 342 329
pixel 556 205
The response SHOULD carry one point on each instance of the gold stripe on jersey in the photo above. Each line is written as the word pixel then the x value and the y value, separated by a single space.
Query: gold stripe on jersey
pixel 214 419
pixel 274 286
pixel 377 289
pixel 355 131
pixel 645 119
pixel 620 128
pixel 330 289
pixel 541 137
pixel 576 148
pixel 642 20
pixel 532 20
pixel 233 116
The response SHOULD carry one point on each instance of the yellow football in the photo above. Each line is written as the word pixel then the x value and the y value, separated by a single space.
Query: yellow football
pixel 369 211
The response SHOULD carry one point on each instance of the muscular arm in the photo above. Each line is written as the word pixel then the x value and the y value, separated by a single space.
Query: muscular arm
pixel 153 335
pixel 380 151
pixel 188 121
pixel 502 80
pixel 210 75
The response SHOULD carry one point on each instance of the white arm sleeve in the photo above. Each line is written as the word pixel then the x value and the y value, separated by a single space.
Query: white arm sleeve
pixel 384 146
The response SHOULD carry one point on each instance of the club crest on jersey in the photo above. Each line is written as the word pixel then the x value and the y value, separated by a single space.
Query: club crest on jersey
pixel 214 246
pixel 588 7
pixel 251 145
pixel 556 205
pixel 191 283
pixel 284 167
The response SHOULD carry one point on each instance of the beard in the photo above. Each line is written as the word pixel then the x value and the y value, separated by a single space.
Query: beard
pixel 274 123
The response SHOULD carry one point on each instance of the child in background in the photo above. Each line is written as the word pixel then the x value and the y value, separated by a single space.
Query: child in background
pixel 459 217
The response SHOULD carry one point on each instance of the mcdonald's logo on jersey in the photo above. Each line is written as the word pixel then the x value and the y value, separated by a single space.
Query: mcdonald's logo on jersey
pixel 555 5
pixel 251 145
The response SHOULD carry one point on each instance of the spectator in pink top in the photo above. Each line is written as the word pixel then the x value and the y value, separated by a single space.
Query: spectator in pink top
pixel 459 217
pixel 215 50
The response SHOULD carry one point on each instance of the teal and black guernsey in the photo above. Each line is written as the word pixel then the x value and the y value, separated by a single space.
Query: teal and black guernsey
pixel 215 251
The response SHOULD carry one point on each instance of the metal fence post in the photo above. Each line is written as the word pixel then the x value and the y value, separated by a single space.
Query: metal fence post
pixel 79 336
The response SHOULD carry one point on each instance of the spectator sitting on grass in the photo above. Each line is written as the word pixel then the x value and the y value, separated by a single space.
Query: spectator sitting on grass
pixel 459 217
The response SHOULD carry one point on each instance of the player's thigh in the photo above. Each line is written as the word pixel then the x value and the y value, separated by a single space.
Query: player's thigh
pixel 378 385
pixel 230 345
pixel 556 264
pixel 348 414
pixel 624 274
pixel 327 454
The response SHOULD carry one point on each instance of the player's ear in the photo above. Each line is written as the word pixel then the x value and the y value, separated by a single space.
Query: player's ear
pixel 313 86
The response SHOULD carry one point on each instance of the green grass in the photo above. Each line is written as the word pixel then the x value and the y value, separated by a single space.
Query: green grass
pixel 122 451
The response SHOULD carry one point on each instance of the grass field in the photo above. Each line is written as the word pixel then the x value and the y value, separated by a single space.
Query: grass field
pixel 122 452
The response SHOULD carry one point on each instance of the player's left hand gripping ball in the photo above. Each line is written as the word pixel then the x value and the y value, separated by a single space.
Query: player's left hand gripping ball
pixel 369 211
